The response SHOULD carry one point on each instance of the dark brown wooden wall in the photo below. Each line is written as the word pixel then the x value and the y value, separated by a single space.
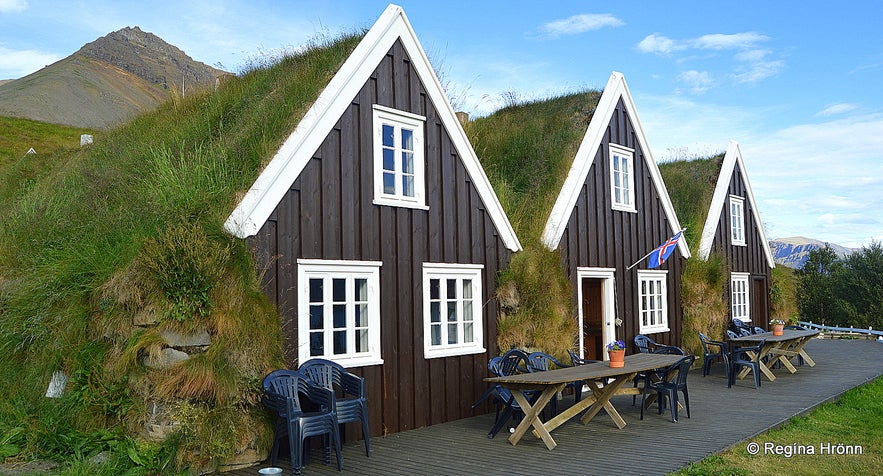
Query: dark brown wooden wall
pixel 598 236
pixel 744 259
pixel 329 214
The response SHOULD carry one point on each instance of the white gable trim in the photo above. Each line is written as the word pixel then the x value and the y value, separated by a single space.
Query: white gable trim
pixel 616 88
pixel 732 159
pixel 274 181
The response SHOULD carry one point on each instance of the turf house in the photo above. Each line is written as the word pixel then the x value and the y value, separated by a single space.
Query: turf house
pixel 587 200
pixel 715 199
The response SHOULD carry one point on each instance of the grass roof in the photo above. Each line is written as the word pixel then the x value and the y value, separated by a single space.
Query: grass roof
pixel 690 185
pixel 527 151
pixel 130 230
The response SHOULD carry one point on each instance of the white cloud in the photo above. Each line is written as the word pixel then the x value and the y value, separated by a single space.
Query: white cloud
pixel 699 81
pixel 659 44
pixel 720 41
pixel 12 6
pixel 579 24
pixel 836 109
pixel 17 63
pixel 758 71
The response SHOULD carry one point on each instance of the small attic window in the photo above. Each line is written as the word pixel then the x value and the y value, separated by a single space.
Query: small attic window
pixel 622 178
pixel 737 220
pixel 399 159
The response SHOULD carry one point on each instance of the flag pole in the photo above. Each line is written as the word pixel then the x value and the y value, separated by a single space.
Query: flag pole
pixel 642 259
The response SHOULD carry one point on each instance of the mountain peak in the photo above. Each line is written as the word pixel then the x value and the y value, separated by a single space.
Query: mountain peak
pixel 149 57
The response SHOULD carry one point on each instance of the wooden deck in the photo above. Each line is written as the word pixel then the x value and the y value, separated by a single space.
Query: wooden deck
pixel 721 417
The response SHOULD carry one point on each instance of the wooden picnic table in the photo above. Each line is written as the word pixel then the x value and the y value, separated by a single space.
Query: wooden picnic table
pixel 782 348
pixel 550 382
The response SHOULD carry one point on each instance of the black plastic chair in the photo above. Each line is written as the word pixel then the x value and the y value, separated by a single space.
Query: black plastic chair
pixel 758 330
pixel 654 374
pixel 282 394
pixel 742 357
pixel 644 344
pixel 710 355
pixel 669 388
pixel 512 362
pixel 732 334
pixel 351 396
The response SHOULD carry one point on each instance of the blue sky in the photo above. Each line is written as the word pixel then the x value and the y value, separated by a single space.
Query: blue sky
pixel 797 84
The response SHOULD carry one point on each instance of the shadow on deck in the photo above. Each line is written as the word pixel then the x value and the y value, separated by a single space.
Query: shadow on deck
pixel 721 418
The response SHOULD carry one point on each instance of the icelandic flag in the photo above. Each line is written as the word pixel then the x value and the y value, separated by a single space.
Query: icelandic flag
pixel 660 254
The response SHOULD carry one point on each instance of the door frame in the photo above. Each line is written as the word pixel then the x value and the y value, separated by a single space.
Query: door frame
pixel 608 307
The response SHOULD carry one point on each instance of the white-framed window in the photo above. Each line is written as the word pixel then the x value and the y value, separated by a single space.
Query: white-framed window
pixel 622 178
pixel 737 220
pixel 399 159
pixel 339 311
pixel 452 309
pixel 653 301
pixel 740 303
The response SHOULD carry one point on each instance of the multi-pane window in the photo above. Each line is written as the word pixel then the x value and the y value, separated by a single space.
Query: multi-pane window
pixel 652 301
pixel 622 180
pixel 339 311
pixel 452 314
pixel 737 220
pixel 739 297
pixel 399 158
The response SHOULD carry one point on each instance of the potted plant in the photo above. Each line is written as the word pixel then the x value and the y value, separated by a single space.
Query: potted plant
pixel 778 327
pixel 616 352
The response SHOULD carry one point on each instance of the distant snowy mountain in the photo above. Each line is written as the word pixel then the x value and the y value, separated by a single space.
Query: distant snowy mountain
pixel 793 252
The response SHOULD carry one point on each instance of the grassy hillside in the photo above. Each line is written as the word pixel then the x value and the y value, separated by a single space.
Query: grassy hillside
pixel 115 244
pixel 527 150
pixel 50 142
pixel 106 83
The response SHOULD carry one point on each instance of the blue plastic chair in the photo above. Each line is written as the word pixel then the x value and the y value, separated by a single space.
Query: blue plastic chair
pixel 740 357
pixel 283 391
pixel 714 350
pixel 669 388
pixel 644 344
pixel 350 394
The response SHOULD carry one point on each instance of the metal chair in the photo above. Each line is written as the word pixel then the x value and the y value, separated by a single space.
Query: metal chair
pixel 710 355
pixel 283 391
pixel 742 357
pixel 351 396
pixel 670 387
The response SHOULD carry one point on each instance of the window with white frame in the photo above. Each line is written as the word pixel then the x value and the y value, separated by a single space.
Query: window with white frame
pixel 339 311
pixel 739 297
pixel 398 158
pixel 622 179
pixel 653 301
pixel 452 303
pixel 737 220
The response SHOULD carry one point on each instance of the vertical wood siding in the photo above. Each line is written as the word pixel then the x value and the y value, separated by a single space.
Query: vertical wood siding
pixel 744 259
pixel 328 214
pixel 598 236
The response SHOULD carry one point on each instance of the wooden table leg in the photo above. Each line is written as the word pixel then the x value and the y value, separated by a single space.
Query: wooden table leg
pixel 602 396
pixel 532 415
pixel 799 349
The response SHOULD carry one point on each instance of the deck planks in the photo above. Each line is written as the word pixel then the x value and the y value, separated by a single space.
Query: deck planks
pixel 721 417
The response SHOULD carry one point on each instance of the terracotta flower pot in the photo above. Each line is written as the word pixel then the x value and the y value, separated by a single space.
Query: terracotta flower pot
pixel 616 358
pixel 778 329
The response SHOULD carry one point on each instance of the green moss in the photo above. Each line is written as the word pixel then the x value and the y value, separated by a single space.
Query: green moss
pixel 690 185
